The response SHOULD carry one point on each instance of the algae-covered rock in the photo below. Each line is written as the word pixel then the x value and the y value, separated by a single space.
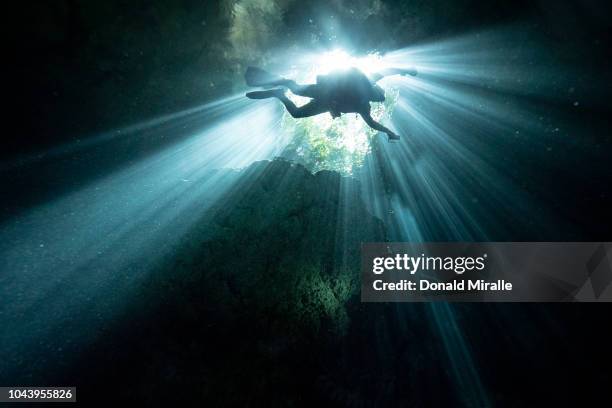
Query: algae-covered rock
pixel 258 303
pixel 281 247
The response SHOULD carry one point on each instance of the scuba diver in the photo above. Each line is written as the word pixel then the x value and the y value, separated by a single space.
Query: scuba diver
pixel 342 91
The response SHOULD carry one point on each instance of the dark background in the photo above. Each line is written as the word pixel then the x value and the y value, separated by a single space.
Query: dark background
pixel 79 68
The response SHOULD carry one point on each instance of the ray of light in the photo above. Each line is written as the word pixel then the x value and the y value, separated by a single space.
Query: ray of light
pixel 477 124
pixel 95 246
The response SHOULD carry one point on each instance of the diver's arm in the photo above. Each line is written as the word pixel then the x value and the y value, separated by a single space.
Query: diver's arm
pixel 392 71
pixel 367 118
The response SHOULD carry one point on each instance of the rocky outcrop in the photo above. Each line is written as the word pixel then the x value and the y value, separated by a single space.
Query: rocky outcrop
pixel 264 285
pixel 282 246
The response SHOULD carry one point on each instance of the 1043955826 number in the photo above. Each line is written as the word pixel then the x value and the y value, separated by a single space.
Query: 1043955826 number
pixel 15 394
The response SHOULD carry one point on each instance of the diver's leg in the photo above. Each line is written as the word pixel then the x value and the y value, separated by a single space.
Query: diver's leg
pixel 258 77
pixel 309 91
pixel 300 90
pixel 312 108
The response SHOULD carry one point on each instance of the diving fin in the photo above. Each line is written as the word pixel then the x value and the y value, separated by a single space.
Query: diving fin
pixel 271 93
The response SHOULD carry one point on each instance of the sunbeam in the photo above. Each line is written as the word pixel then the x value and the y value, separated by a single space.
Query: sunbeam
pixel 96 245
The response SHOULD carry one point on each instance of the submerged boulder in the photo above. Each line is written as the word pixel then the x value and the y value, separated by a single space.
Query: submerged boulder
pixel 259 305
pixel 281 248
pixel 261 295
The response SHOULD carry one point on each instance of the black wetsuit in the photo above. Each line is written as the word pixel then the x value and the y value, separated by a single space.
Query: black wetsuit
pixel 341 91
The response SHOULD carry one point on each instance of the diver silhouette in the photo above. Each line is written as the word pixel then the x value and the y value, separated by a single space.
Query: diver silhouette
pixel 342 91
